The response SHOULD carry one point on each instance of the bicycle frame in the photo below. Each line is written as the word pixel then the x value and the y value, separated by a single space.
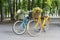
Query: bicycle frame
pixel 24 23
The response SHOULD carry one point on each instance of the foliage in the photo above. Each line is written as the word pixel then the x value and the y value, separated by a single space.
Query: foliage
pixel 48 5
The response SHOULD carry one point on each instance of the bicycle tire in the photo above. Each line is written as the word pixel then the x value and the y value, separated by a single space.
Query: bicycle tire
pixel 16 30
pixel 37 29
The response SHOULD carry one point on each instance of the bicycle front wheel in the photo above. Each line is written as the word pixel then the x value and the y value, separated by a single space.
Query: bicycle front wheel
pixel 19 27
pixel 32 29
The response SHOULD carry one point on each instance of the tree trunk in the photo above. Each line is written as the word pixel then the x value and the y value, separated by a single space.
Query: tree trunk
pixel 16 6
pixel 28 4
pixel 59 12
pixel 19 5
pixel 1 6
pixel 32 6
pixel 1 13
pixel 11 10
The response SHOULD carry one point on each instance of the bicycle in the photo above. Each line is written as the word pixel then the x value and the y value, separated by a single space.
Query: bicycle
pixel 39 24
pixel 19 26
pixel 27 24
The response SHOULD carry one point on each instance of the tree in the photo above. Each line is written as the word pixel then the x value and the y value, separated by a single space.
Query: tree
pixel 1 6
pixel 24 4
pixel 28 4
pixel 10 9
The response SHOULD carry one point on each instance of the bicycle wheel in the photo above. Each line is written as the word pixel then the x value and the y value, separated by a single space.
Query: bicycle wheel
pixel 32 29
pixel 19 27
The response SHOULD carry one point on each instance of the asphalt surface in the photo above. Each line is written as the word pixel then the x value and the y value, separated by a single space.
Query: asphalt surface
pixel 53 33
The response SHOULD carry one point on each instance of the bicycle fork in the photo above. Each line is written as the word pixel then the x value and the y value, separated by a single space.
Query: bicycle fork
pixel 44 22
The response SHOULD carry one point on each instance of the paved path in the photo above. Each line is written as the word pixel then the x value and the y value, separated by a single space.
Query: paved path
pixel 53 33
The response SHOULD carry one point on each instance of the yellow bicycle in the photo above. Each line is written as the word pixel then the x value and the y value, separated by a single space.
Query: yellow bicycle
pixel 34 27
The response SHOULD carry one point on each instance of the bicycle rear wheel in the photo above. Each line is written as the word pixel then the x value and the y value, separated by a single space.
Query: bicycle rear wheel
pixel 32 29
pixel 19 27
